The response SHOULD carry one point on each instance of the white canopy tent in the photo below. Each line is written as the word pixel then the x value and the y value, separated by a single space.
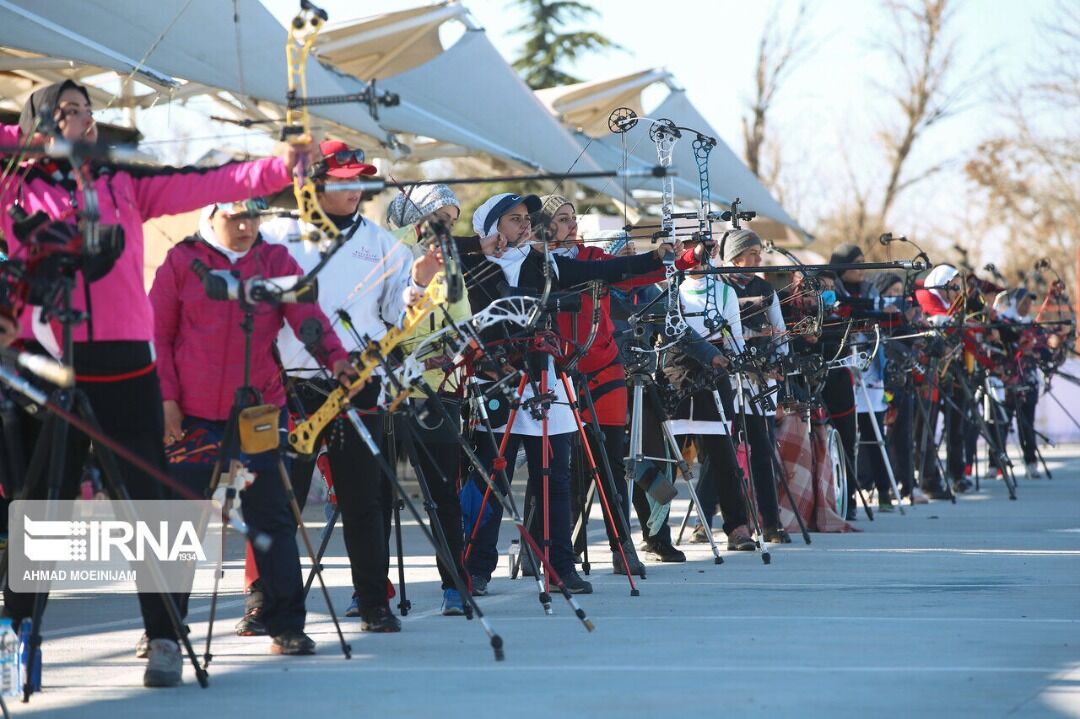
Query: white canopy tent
pixel 465 94
pixel 586 107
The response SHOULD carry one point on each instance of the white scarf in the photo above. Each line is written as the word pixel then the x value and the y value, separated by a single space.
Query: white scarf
pixel 206 230
pixel 512 260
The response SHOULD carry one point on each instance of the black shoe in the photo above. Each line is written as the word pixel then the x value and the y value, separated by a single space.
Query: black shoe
pixel 936 492
pixel 777 535
pixel 380 620
pixel 852 513
pixel 741 542
pixel 252 624
pixel 664 551
pixel 575 584
pixel 293 643
pixel 960 486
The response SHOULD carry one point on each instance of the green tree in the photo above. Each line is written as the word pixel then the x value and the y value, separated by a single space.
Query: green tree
pixel 548 44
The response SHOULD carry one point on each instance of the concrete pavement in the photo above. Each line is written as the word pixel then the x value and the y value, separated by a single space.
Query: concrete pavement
pixel 966 610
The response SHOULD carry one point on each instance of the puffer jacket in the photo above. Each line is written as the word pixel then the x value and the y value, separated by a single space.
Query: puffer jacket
pixel 199 342
pixel 128 196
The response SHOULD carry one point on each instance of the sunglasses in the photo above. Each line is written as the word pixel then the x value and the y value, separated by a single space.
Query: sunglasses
pixel 344 157
pixel 248 210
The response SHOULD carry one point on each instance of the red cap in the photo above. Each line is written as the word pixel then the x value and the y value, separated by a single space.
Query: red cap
pixel 350 167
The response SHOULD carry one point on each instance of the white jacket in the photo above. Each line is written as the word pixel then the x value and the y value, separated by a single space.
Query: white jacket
pixel 369 278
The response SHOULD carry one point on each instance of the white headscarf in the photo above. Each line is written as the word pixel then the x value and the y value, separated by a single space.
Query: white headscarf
pixel 939 277
pixel 206 230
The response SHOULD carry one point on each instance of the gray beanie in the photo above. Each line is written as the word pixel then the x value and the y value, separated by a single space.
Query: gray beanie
pixel 408 209
pixel 738 242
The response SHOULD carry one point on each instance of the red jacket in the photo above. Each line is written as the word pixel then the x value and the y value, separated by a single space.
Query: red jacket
pixel 604 351
pixel 199 343
pixel 128 197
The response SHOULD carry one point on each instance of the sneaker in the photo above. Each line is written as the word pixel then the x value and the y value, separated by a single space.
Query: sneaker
pixel 379 620
pixel 354 607
pixel 164 664
pixel 293 643
pixel 251 625
pixel 575 584
pixel 885 505
pixel 1033 471
pixel 142 647
pixel 699 535
pixel 740 541
pixel 968 470
pixel 636 567
pixel 664 551
pixel 480 585
pixel 918 497
pixel 961 486
pixel 852 512
pixel 777 535
pixel 452 606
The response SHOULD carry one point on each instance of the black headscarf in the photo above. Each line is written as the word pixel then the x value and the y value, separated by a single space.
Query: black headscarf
pixel 42 104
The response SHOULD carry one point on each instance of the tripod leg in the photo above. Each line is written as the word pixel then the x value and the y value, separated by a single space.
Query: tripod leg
pixel 880 439
pixel 503 493
pixel 354 419
pixel 508 504
pixel 1002 459
pixel 324 541
pixel 286 484
pixel 498 464
pixel 615 496
pixel 219 571
pixel 778 466
pixel 688 478
pixel 749 492
pixel 404 605
pixel 605 505
pixel 685 523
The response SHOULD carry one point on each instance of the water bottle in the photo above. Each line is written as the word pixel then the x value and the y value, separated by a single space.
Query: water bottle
pixel 10 661
pixel 24 657
pixel 513 556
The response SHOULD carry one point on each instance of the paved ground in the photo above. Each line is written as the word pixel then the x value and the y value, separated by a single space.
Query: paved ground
pixel 965 610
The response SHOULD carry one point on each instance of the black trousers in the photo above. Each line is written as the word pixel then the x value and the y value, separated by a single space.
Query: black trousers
pixel 718 486
pixel 900 439
pixel 438 458
pixel 129 412
pixel 1023 405
pixel 839 398
pixel 872 469
pixel 363 493
pixel 612 443
pixel 266 510
pixel 762 468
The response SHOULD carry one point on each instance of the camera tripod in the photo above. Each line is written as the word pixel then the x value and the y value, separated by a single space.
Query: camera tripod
pixel 540 403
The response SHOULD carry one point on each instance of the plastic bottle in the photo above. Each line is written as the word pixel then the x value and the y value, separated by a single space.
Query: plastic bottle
pixel 24 657
pixel 10 661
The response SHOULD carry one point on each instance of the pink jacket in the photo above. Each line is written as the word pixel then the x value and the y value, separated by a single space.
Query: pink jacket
pixel 119 307
pixel 199 343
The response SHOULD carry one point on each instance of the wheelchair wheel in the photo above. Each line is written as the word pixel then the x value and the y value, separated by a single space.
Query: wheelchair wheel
pixel 835 448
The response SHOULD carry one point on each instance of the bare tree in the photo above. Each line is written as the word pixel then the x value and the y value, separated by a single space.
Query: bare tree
pixel 1026 179
pixel 924 54
pixel 779 52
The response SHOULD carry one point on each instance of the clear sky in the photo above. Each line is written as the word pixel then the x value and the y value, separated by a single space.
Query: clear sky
pixel 830 107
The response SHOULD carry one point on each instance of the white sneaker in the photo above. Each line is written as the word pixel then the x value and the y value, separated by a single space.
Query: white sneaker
pixel 918 497
pixel 1033 471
